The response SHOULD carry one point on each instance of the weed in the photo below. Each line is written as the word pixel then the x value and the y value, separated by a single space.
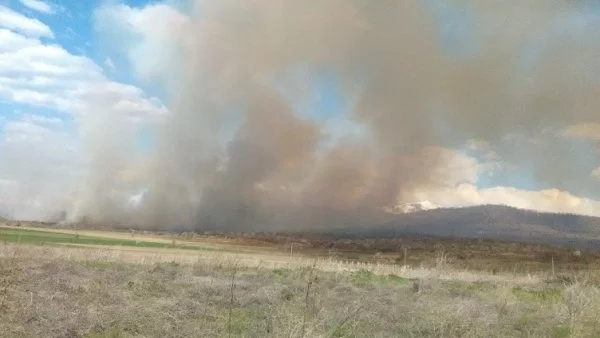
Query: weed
pixel 364 277
pixel 287 294
pixel 345 331
pixel 281 273
pixel 99 265
pixel 309 283
pixel 168 269
pixel 242 320
pixel 40 297
pixel 461 289
pixel 562 331
pixel 110 333
pixel 524 323
pixel 542 296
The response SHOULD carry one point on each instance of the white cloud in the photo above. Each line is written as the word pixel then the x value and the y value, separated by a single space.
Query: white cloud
pixel 47 121
pixel 459 169
pixel 39 6
pixel 136 31
pixel 11 41
pixel 36 98
pixel 548 200
pixel 43 159
pixel 28 26
pixel 109 64
pixel 48 75
pixel 49 59
pixel 128 101
pixel 456 186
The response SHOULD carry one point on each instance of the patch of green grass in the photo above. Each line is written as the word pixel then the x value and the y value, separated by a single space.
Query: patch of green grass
pixel 38 237
pixel 523 323
pixel 562 331
pixel 281 273
pixel 109 333
pixel 243 320
pixel 364 277
pixel 100 265
pixel 540 296
pixel 345 331
pixel 393 279
pixel 456 288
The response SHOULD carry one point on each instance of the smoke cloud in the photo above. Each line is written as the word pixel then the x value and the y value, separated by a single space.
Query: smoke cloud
pixel 238 149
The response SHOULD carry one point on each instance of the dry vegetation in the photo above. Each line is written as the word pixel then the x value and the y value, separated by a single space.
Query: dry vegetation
pixel 82 292
pixel 471 254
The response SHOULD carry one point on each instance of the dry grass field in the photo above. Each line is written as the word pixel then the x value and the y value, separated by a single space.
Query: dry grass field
pixel 91 290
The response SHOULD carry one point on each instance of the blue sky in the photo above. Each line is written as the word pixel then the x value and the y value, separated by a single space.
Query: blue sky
pixel 60 50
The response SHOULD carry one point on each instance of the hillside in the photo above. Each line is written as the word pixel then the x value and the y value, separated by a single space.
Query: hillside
pixel 493 222
pixel 490 222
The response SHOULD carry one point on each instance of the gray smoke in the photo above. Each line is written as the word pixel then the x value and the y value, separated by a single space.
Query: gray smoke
pixel 244 67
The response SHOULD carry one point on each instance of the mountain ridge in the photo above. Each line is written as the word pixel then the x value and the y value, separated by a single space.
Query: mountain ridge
pixel 493 222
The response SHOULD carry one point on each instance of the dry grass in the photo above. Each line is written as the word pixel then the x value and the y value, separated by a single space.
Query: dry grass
pixel 138 255
pixel 89 292
pixel 493 257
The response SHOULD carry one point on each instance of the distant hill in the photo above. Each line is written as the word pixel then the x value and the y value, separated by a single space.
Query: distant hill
pixel 486 222
pixel 492 222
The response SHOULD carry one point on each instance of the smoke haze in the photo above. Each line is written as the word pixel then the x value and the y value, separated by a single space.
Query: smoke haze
pixel 238 149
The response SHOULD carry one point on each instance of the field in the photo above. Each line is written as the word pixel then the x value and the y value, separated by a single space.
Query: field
pixel 72 283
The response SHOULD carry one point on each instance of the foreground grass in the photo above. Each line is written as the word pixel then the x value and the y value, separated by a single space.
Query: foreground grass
pixel 46 294
pixel 39 237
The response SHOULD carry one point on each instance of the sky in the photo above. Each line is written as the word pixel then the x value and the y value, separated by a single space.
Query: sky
pixel 74 72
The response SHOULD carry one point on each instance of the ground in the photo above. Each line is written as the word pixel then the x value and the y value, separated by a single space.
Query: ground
pixel 76 284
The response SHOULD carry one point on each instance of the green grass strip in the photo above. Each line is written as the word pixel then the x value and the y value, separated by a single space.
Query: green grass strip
pixel 27 236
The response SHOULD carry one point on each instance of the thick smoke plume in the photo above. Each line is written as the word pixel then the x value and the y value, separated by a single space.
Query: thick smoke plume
pixel 239 151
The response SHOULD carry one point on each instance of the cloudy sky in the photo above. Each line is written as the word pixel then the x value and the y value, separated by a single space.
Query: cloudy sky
pixel 75 76
pixel 55 74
